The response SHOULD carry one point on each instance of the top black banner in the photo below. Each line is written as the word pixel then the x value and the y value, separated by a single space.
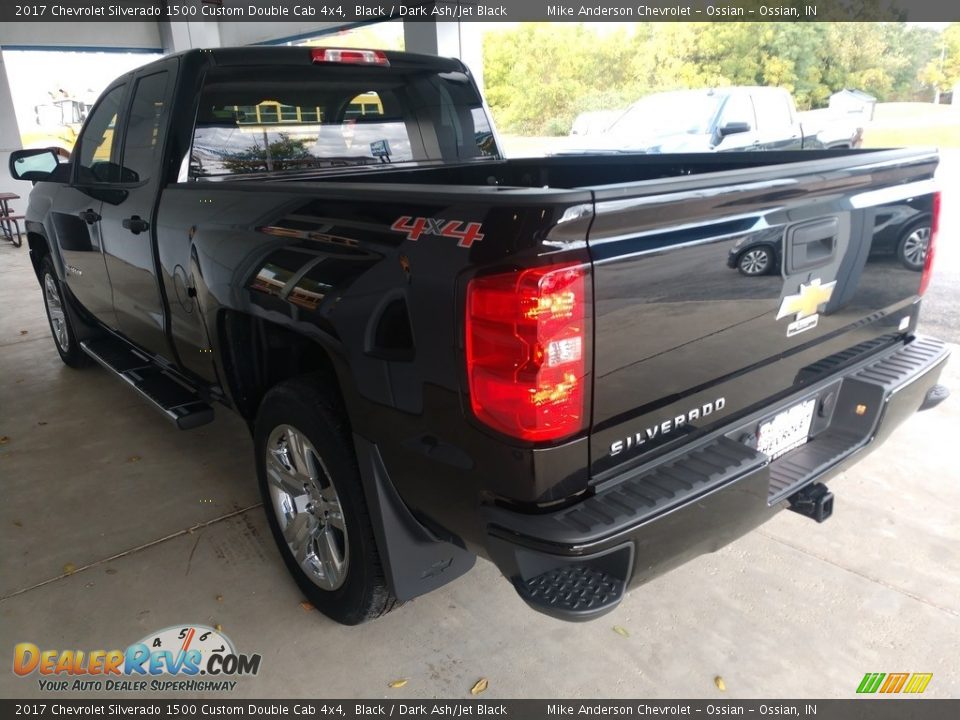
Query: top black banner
pixel 349 13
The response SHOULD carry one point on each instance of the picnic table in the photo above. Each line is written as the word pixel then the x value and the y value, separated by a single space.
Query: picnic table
pixel 10 223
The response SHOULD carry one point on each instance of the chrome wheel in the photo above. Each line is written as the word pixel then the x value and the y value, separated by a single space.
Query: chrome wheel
pixel 915 247
pixel 58 319
pixel 307 507
pixel 755 262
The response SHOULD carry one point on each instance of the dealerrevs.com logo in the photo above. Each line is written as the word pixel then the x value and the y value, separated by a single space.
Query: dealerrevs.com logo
pixel 187 658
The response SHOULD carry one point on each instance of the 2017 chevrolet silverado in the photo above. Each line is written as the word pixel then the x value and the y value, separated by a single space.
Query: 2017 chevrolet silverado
pixel 445 354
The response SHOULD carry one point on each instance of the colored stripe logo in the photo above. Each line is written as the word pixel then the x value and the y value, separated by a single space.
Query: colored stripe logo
pixel 888 683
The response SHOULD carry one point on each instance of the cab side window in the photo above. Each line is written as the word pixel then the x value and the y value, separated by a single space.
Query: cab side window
pixel 145 128
pixel 96 145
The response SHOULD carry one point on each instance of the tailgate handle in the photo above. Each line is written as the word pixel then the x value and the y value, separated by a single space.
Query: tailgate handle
pixel 811 244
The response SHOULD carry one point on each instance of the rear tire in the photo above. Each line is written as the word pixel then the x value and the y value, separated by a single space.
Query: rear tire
pixel 64 336
pixel 755 261
pixel 314 500
pixel 913 246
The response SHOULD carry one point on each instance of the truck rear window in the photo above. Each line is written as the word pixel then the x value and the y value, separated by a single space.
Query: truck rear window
pixel 275 119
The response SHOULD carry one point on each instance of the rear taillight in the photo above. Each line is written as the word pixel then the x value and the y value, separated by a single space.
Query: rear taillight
pixel 931 244
pixel 527 351
pixel 349 56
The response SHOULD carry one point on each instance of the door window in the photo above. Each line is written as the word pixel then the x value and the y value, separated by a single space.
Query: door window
pixel 738 109
pixel 96 144
pixel 773 109
pixel 145 129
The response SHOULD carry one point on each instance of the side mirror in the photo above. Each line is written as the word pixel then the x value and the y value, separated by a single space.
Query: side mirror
pixel 33 165
pixel 734 128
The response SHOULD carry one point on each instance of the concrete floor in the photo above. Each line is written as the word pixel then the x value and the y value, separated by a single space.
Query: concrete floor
pixel 114 524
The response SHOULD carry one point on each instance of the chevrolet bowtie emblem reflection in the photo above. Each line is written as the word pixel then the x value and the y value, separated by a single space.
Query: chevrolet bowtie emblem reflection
pixel 808 301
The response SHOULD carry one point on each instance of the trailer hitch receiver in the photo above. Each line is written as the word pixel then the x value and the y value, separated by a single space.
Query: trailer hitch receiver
pixel 814 501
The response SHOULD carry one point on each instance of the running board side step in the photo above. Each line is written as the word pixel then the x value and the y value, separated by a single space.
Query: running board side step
pixel 171 396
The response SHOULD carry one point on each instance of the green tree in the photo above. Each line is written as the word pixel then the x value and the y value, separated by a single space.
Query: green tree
pixel 284 153
pixel 942 72
pixel 539 76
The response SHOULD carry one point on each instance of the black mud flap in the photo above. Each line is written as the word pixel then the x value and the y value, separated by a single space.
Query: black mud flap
pixel 416 561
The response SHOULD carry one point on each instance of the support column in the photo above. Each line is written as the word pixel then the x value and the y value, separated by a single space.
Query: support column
pixel 9 141
pixel 178 36
pixel 447 39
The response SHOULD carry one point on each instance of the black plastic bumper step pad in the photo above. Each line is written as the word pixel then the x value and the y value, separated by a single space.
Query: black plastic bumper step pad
pixel 640 496
pixel 793 470
pixel 908 362
pixel 171 396
pixel 575 588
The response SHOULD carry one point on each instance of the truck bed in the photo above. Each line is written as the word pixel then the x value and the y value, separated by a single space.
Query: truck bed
pixel 675 328
pixel 565 172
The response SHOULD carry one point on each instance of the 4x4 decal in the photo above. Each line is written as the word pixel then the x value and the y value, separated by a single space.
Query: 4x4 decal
pixel 463 232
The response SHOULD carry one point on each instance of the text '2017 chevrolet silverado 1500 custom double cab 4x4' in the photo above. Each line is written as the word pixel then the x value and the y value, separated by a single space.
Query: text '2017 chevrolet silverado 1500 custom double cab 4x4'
pixel 445 354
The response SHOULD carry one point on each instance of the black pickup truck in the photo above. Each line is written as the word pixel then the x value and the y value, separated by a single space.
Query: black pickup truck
pixel 445 354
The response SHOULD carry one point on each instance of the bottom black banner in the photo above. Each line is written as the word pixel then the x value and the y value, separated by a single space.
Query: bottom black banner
pixel 872 709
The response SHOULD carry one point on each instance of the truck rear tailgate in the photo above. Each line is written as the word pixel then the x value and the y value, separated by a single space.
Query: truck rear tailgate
pixel 685 341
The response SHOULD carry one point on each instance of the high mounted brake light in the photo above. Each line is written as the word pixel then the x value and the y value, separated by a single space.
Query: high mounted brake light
pixel 526 348
pixel 931 244
pixel 349 56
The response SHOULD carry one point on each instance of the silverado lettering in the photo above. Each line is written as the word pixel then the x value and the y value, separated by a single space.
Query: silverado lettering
pixel 528 385
pixel 667 426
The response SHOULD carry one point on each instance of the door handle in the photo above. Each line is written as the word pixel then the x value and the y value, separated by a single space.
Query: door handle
pixel 136 224
pixel 89 216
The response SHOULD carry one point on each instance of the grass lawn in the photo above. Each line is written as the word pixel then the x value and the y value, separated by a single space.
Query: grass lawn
pixel 946 136
pixel 902 124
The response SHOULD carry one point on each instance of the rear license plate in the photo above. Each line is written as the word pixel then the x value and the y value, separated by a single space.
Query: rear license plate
pixel 787 430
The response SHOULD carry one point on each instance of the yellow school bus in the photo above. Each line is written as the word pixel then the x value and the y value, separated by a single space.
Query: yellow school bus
pixel 272 112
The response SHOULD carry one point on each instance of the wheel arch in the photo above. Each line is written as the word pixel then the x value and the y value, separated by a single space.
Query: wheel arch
pixel 921 220
pixel 39 246
pixel 257 354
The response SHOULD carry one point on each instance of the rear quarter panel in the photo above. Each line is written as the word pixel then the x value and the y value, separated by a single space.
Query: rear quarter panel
pixel 323 261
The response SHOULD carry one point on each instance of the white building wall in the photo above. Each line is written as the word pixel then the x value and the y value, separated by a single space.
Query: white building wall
pixel 80 35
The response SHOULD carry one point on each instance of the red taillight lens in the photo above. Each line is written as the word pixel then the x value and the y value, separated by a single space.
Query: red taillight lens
pixel 527 351
pixel 931 245
pixel 349 56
